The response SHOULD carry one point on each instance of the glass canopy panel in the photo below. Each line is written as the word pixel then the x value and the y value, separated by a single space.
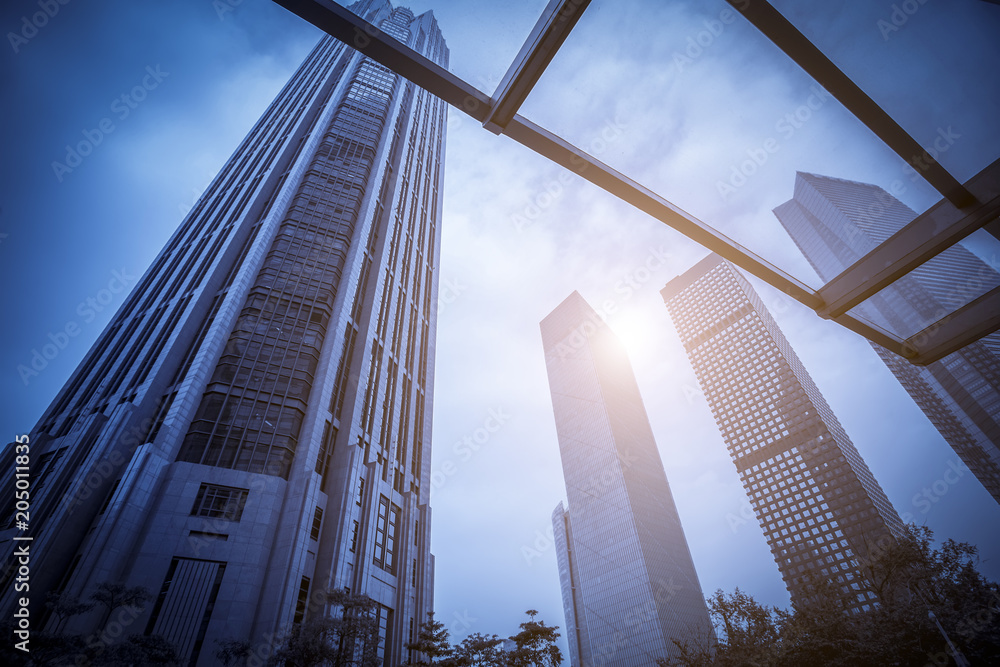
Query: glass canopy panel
pixel 690 100
pixel 483 37
pixel 936 288
pixel 930 65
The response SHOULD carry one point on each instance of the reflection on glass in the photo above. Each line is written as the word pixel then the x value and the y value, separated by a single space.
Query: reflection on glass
pixel 933 290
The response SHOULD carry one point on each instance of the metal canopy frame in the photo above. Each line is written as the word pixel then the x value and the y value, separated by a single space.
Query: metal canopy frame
pixel 553 26
pixel 963 209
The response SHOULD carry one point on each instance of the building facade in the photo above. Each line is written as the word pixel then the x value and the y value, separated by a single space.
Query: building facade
pixel 628 581
pixel 835 223
pixel 254 425
pixel 822 512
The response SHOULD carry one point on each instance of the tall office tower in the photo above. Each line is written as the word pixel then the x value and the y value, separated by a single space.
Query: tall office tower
pixel 835 223
pixel 253 427
pixel 628 582
pixel 821 510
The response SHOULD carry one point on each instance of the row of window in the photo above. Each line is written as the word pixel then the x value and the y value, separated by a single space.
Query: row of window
pixel 273 351
pixel 231 192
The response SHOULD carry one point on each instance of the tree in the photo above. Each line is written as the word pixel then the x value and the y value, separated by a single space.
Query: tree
pixel 478 650
pixel 64 606
pixel 747 634
pixel 535 644
pixel 931 606
pixel 139 650
pixel 432 641
pixel 349 637
pixel 112 596
pixel 234 652
pixel 102 647
pixel 309 644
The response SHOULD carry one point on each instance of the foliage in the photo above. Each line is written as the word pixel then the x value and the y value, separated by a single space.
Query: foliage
pixel 432 641
pixel 57 647
pixel 64 606
pixel 347 638
pixel 112 596
pixel 916 587
pixel 478 650
pixel 139 650
pixel 536 644
pixel 234 652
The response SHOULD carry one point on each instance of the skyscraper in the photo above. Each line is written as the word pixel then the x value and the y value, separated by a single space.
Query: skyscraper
pixel 835 223
pixel 253 427
pixel 629 584
pixel 821 510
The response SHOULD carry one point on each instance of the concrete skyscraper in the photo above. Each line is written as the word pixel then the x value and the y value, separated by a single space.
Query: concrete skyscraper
pixel 628 581
pixel 254 425
pixel 835 223
pixel 821 510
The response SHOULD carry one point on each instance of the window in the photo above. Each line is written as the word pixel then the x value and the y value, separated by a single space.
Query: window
pixel 384 631
pixel 300 604
pixel 317 523
pixel 386 528
pixel 183 608
pixel 220 502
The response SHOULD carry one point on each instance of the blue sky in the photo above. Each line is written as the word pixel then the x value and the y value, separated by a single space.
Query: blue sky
pixel 519 235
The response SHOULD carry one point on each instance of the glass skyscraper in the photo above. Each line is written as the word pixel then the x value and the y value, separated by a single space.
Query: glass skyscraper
pixel 628 581
pixel 835 223
pixel 822 512
pixel 254 425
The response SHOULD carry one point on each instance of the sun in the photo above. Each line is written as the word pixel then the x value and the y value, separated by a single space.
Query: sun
pixel 638 331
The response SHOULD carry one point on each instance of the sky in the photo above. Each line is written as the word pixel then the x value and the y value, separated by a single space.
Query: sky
pixel 679 96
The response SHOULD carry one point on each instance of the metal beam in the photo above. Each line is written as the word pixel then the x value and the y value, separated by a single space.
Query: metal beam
pixel 956 330
pixel 561 152
pixel 960 328
pixel 357 33
pixel 807 55
pixel 925 236
pixel 372 42
pixel 549 33
pixel 877 335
